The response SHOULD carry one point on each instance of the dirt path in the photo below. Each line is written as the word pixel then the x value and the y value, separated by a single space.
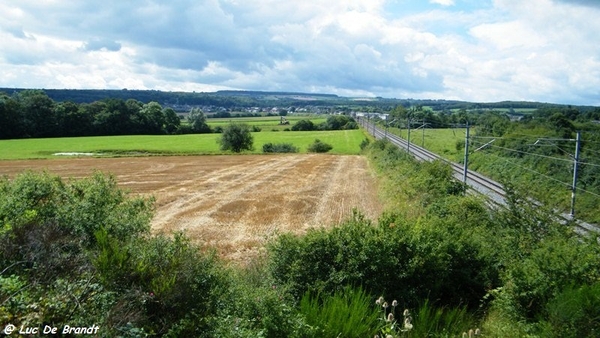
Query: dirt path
pixel 235 203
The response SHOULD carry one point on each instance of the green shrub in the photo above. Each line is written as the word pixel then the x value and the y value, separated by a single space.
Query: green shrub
pixel 48 243
pixel 364 143
pixel 236 137
pixel 80 252
pixel 279 148
pixel 178 284
pixel 255 129
pixel 319 147
pixel 575 312
pixel 184 129
pixel 256 306
pixel 338 122
pixel 80 207
pixel 404 263
pixel 303 125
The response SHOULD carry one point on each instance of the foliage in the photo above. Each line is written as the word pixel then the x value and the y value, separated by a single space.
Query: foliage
pixel 364 143
pixel 279 148
pixel 319 147
pixel 338 122
pixel 426 263
pixel 79 208
pixel 346 313
pixel 427 321
pixel 303 125
pixel 79 252
pixel 197 121
pixel 177 285
pixel 574 312
pixel 236 137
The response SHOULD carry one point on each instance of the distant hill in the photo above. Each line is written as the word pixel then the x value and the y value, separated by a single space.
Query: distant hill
pixel 239 98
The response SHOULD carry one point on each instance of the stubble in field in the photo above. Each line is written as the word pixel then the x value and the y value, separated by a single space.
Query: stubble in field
pixel 235 203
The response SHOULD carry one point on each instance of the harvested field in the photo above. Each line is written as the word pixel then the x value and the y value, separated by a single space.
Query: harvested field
pixel 234 203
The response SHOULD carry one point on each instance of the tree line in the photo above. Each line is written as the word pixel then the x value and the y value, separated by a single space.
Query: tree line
pixel 31 113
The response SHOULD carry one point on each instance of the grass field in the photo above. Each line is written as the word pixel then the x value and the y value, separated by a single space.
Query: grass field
pixel 344 142
pixel 440 141
pixel 266 123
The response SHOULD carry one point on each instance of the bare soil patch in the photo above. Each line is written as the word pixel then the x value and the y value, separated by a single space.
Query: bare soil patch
pixel 234 203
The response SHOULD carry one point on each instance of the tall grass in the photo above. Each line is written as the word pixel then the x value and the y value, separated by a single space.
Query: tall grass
pixel 347 313
pixel 430 321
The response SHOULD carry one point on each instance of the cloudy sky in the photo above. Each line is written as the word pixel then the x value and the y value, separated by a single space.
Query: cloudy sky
pixel 476 50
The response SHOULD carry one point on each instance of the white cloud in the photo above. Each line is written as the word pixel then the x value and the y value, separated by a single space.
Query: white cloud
pixel 443 2
pixel 544 50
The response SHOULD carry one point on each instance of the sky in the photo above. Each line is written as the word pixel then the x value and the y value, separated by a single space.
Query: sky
pixel 471 50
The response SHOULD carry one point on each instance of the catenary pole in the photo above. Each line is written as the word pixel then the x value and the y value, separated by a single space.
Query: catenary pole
pixel 408 136
pixel 466 167
pixel 423 126
pixel 575 165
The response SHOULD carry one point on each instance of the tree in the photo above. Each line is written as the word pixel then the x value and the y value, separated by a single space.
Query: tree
pixel 172 120
pixel 10 118
pixel 38 113
pixel 197 120
pixel 236 137
pixel 151 118
pixel 72 120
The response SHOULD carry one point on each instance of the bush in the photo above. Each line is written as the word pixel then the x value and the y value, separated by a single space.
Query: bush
pixel 236 137
pixel 173 281
pixel 575 312
pixel 324 261
pixel 184 129
pixel 338 122
pixel 279 148
pixel 319 147
pixel 255 129
pixel 48 244
pixel 80 252
pixel 303 125
pixel 79 208
pixel 364 143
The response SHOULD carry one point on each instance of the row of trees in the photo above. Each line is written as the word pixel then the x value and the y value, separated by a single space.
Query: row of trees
pixel 417 115
pixel 334 122
pixel 32 113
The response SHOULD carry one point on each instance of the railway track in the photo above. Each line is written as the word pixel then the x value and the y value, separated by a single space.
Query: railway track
pixel 493 190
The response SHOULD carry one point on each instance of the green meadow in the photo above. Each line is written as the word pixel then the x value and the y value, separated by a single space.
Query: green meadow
pixel 265 123
pixel 344 142
pixel 441 141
